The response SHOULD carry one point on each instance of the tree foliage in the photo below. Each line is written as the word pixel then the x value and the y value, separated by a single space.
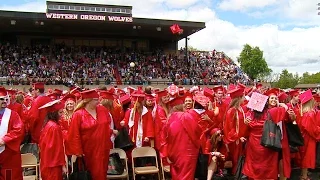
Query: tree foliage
pixel 310 78
pixel 287 80
pixel 253 63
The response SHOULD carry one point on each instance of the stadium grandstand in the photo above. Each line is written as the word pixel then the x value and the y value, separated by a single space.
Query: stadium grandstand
pixel 95 44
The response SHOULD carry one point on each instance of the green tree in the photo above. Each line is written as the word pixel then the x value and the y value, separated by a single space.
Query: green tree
pixel 253 63
pixel 310 78
pixel 190 48
pixel 287 80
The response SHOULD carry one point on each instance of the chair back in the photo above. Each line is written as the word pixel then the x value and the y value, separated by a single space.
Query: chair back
pixel 121 152
pixel 28 159
pixel 144 152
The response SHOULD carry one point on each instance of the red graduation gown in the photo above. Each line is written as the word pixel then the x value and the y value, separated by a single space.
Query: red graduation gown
pixel 117 114
pixel 223 107
pixel 92 138
pixel 147 125
pixel 183 134
pixel 36 117
pixel 51 140
pixel 17 107
pixel 261 162
pixel 310 133
pixel 232 137
pixel 159 122
pixel 64 125
pixel 10 158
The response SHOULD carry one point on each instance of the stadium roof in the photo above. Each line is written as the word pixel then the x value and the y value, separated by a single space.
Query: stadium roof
pixel 31 23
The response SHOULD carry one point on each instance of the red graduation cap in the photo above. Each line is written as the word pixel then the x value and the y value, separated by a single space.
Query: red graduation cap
pixel 58 92
pixel 232 87
pixel 89 94
pixel 54 105
pixel 162 93
pixel 241 85
pixel 106 95
pixel 11 92
pixel 156 90
pixel 150 97
pixel 257 101
pixel 188 94
pixel 306 96
pixel 214 130
pixel 139 95
pixel 259 85
pixel 38 85
pixel 3 91
pixel 209 93
pixel 272 91
pixel 176 101
pixel 69 97
pixel 218 88
pixel 316 97
pixel 125 99
pixel 238 92
pixel 201 99
pixel 173 90
pixel 282 96
pixel 293 93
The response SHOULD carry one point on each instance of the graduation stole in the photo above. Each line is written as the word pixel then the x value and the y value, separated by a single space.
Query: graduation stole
pixel 4 125
pixel 139 136
pixel 237 119
pixel 113 137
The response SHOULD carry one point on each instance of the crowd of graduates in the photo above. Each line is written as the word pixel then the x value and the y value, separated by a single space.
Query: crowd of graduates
pixel 224 123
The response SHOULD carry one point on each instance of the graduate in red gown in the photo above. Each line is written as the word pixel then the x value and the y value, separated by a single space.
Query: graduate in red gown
pixel 11 136
pixel 310 132
pixel 183 144
pixel 17 107
pixel 107 100
pixel 161 114
pixel 35 116
pixel 261 162
pixel 139 120
pixel 89 134
pixel 65 118
pixel 235 130
pixel 221 104
pixel 52 165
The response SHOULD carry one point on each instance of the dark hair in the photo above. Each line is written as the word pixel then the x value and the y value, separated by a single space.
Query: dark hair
pixel 53 116
pixel 197 105
pixel 41 91
pixel 257 114
pixel 126 106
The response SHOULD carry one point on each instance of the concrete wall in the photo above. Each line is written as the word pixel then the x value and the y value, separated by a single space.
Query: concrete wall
pixel 26 87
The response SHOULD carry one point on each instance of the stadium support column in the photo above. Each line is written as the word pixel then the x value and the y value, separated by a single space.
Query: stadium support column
pixel 186 48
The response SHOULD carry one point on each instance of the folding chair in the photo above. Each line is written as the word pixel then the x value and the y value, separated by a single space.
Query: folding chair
pixel 123 156
pixel 165 169
pixel 141 152
pixel 29 161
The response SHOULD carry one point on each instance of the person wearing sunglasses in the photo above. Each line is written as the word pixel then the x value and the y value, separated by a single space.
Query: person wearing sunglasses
pixel 11 135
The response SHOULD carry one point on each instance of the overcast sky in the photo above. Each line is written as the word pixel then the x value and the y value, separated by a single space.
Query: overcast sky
pixel 288 31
